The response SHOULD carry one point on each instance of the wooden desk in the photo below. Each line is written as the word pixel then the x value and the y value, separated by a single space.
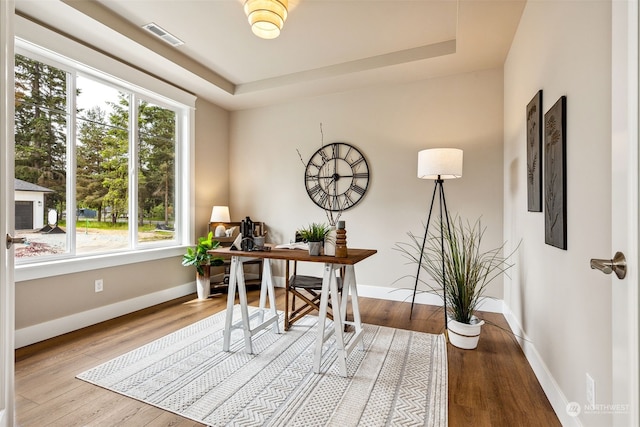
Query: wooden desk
pixel 329 284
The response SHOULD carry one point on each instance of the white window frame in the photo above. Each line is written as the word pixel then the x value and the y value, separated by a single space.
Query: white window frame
pixel 52 48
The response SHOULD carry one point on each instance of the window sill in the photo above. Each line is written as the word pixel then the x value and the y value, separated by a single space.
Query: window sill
pixel 76 265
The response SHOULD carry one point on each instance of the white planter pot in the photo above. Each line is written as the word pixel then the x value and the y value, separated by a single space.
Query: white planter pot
pixel 203 286
pixel 330 243
pixel 463 335
pixel 314 248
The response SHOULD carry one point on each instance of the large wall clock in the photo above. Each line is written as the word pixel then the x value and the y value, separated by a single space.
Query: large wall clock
pixel 337 176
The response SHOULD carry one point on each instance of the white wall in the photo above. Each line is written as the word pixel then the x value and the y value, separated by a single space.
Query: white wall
pixel 389 125
pixel 211 162
pixel 563 48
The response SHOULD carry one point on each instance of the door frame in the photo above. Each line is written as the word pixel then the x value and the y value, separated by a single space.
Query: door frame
pixel 7 293
pixel 625 121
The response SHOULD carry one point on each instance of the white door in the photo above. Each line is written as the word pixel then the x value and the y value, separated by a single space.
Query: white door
pixel 6 214
pixel 624 215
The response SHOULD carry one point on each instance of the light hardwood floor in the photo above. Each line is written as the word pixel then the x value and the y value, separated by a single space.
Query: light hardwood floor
pixel 490 386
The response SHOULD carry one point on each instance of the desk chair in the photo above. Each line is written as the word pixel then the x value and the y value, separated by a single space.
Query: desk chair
pixel 308 290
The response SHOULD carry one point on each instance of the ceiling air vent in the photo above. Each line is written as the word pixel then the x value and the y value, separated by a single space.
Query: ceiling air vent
pixel 164 35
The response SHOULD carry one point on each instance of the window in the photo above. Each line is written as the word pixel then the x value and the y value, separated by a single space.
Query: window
pixel 98 159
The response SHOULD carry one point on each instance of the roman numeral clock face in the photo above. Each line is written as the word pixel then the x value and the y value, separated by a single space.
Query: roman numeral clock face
pixel 337 176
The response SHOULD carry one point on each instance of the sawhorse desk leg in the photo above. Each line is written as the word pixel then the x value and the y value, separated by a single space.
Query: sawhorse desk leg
pixel 339 304
pixel 236 280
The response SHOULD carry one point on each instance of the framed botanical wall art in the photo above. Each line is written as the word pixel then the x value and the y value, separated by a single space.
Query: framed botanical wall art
pixel 555 174
pixel 534 156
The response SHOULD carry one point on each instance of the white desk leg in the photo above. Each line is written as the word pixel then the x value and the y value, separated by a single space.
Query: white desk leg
pixel 355 306
pixel 346 286
pixel 339 304
pixel 267 289
pixel 231 299
pixel 264 284
pixel 244 306
pixel 322 317
pixel 339 315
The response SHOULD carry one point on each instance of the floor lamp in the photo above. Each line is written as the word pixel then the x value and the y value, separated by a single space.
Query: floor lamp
pixel 437 164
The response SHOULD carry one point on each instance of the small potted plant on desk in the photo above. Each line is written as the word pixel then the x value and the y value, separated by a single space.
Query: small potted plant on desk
pixel 202 259
pixel 314 235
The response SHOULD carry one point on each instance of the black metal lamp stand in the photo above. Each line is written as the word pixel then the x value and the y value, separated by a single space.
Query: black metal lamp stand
pixel 438 188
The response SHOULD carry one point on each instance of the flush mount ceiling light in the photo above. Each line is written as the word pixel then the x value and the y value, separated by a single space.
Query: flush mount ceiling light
pixel 266 17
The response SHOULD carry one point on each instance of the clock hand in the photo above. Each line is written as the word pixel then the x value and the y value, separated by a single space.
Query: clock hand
pixel 335 176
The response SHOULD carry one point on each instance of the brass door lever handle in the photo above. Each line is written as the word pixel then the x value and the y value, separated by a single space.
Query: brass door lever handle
pixel 617 265
pixel 12 240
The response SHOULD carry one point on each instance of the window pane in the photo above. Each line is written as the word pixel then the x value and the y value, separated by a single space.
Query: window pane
pixel 101 167
pixel 156 172
pixel 41 119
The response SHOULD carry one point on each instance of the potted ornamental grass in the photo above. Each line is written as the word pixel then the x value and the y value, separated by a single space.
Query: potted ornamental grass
pixel 199 257
pixel 314 234
pixel 468 271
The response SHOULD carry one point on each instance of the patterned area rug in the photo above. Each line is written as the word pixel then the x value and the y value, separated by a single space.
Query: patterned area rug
pixel 400 378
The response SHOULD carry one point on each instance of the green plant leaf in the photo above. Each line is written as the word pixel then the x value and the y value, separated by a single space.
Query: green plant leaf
pixel 199 256
pixel 315 232
pixel 457 263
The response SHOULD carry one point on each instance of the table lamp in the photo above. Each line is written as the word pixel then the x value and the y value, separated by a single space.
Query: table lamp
pixel 220 214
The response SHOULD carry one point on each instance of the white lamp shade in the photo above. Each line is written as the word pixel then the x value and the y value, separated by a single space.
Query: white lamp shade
pixel 440 163
pixel 220 214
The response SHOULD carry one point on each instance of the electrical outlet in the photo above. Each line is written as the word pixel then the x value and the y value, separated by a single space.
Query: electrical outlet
pixel 99 285
pixel 591 391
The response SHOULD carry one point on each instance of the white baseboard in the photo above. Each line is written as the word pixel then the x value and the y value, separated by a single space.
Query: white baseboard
pixel 63 325
pixel 551 388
